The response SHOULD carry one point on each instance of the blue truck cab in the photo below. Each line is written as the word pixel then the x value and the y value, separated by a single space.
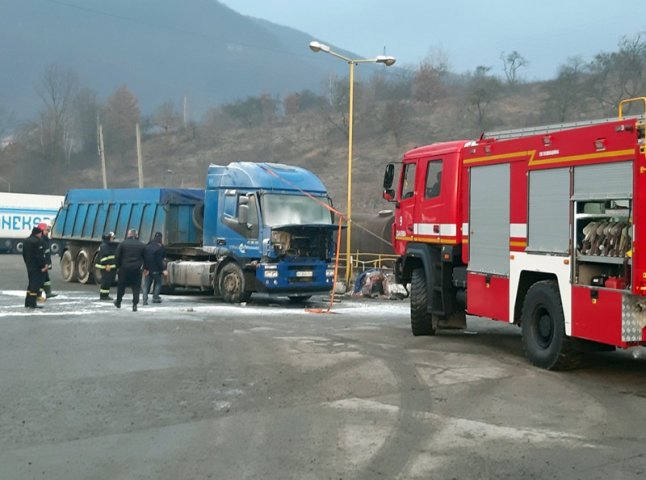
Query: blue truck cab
pixel 272 222
pixel 257 227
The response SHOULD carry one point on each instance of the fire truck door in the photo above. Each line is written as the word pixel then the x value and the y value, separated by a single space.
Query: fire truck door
pixel 404 219
pixel 489 219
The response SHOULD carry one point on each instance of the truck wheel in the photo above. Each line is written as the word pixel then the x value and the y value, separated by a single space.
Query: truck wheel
pixel 68 267
pixel 84 268
pixel 232 284
pixel 98 273
pixel 421 321
pixel 543 326
pixel 55 248
pixel 17 247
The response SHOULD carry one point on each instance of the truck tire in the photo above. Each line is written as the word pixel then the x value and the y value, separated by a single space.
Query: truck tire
pixel 84 267
pixel 98 273
pixel 543 327
pixel 17 246
pixel 55 248
pixel 68 267
pixel 232 284
pixel 421 321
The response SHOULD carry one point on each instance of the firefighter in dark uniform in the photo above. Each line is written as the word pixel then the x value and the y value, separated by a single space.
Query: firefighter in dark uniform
pixel 33 254
pixel 46 228
pixel 107 264
pixel 130 260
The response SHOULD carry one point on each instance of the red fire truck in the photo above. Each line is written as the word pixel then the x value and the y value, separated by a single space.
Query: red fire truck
pixel 537 227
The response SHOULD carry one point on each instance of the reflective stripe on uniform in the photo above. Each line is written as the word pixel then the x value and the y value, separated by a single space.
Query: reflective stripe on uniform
pixel 104 290
pixel 105 259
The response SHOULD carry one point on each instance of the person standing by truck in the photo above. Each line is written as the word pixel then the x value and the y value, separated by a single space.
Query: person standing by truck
pixel 33 253
pixel 129 261
pixel 47 244
pixel 154 267
pixel 107 264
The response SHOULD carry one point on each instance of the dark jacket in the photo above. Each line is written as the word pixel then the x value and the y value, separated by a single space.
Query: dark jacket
pixel 107 255
pixel 33 253
pixel 47 247
pixel 154 257
pixel 130 254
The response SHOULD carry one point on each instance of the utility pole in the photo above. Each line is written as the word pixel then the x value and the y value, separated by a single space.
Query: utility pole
pixel 140 166
pixel 101 152
pixel 185 112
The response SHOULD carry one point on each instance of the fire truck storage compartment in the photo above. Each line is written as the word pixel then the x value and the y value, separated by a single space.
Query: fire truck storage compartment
pixel 602 229
pixel 549 215
pixel 489 219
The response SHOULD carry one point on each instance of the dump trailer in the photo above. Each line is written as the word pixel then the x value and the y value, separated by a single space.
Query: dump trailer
pixel 20 212
pixel 257 227
pixel 539 227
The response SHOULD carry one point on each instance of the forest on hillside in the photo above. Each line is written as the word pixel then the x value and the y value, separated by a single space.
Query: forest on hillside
pixel 57 150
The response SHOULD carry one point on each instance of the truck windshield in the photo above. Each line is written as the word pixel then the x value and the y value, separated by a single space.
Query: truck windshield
pixel 283 209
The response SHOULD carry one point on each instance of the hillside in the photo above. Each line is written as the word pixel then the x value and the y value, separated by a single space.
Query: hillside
pixel 161 49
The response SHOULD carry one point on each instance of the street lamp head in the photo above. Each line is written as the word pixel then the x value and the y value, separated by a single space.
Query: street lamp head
pixel 317 47
pixel 386 60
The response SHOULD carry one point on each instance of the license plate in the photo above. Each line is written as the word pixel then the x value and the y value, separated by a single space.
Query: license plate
pixel 303 273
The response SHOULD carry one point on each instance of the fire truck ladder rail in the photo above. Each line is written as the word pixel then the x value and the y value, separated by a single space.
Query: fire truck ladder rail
pixel 545 129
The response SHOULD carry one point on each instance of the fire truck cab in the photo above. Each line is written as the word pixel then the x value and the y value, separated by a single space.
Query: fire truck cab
pixel 538 227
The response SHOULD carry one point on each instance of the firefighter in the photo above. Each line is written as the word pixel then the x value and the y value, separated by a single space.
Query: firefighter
pixel 46 229
pixel 107 264
pixel 33 254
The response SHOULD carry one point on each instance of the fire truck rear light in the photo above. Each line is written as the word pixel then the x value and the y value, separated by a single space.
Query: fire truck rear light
pixel 600 144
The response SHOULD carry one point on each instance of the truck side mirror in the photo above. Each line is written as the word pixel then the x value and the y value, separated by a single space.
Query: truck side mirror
pixel 389 175
pixel 243 214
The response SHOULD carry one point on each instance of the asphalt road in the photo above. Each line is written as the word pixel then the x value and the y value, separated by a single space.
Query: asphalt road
pixel 197 389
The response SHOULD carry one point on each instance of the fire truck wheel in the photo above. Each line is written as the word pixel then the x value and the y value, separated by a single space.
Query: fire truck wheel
pixel 543 326
pixel 232 284
pixel 420 320
pixel 68 267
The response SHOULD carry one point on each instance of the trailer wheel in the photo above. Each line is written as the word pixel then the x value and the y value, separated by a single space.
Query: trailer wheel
pixel 18 246
pixel 98 273
pixel 232 284
pixel 68 267
pixel 421 321
pixel 543 326
pixel 84 268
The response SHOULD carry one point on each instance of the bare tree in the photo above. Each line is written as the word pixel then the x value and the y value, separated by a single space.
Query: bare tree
pixel 120 116
pixel 167 117
pixel 427 86
pixel 511 64
pixel 57 88
pixel 483 90
pixel 566 94
pixel 620 74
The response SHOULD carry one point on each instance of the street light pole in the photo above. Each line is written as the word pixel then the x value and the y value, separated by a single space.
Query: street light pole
pixel 388 61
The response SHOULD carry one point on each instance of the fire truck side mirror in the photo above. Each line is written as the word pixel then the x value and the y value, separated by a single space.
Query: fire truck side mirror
pixel 389 175
pixel 389 195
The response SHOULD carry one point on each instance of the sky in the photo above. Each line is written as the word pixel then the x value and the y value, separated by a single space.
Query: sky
pixel 471 32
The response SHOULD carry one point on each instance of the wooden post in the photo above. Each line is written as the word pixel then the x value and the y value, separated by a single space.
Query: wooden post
pixel 185 112
pixel 140 166
pixel 102 156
